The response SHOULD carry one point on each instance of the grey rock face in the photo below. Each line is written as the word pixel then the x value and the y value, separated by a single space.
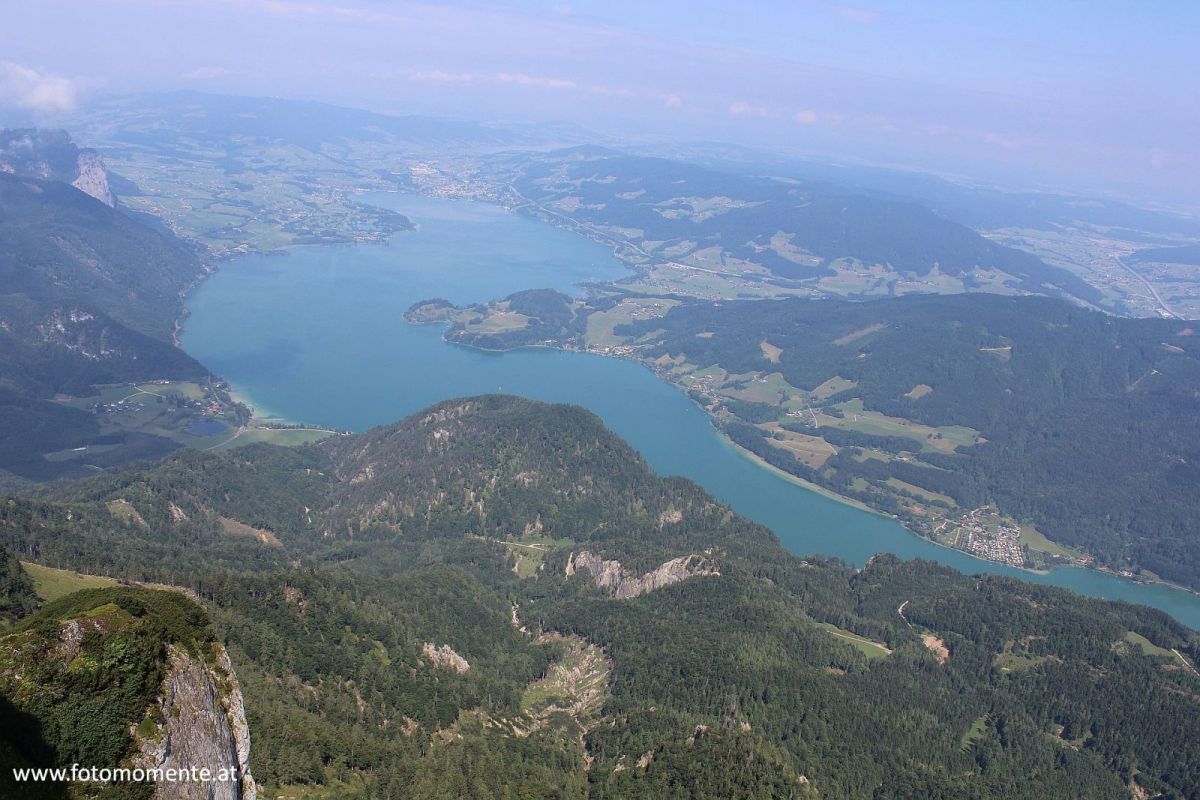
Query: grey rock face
pixel 203 726
pixel 611 576
pixel 51 155
pixel 93 178
pixel 444 656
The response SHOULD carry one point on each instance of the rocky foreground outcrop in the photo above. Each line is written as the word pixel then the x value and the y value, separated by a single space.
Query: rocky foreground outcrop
pixel 202 725
pixel 125 678
pixel 611 576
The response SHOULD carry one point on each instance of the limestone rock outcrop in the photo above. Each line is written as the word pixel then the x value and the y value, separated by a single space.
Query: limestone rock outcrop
pixel 201 725
pixel 444 656
pixel 611 576
pixel 93 178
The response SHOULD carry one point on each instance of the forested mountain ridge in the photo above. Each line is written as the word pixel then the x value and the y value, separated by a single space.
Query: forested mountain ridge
pixel 983 421
pixel 62 246
pixel 825 237
pixel 88 295
pixel 456 640
pixel 978 206
pixel 1066 418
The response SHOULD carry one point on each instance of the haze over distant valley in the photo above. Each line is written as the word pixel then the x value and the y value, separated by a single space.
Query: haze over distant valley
pixel 405 400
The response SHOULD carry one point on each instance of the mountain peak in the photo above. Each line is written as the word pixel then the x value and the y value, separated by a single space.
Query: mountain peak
pixel 51 155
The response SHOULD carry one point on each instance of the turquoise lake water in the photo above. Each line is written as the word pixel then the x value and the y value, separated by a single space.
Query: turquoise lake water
pixel 319 336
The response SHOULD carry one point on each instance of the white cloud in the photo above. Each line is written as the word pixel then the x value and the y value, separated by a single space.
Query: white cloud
pixel 673 101
pixel 27 88
pixel 740 108
pixel 206 73
pixel 1000 140
pixel 810 117
pixel 862 16
pixel 611 91
pixel 306 8
pixel 534 80
pixel 440 76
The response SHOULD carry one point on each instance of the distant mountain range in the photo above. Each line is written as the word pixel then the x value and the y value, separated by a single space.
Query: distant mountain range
pixel 162 120
pixel 798 231
pixel 978 207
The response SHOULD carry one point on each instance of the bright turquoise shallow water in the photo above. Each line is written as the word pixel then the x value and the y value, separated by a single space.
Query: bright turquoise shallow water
pixel 319 336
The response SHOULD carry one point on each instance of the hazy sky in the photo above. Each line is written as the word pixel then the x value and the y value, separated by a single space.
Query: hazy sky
pixel 1093 94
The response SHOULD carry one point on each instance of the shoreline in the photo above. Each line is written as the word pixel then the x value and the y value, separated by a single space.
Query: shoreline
pixel 861 506
pixel 829 494
pixel 264 415
pixel 815 488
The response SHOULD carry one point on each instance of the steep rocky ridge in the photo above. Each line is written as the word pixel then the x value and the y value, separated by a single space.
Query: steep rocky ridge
pixel 125 677
pixel 201 722
pixel 93 178
pixel 51 155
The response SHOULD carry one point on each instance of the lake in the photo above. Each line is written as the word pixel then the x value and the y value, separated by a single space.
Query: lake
pixel 319 336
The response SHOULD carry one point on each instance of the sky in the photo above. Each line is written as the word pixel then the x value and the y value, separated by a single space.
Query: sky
pixel 1091 96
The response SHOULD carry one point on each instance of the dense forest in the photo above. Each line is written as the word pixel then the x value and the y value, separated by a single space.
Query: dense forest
pixel 336 573
pixel 17 595
pixel 1089 422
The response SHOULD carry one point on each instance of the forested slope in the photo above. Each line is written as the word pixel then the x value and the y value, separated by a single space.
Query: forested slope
pixel 1088 423
pixel 88 295
pixel 790 229
pixel 497 598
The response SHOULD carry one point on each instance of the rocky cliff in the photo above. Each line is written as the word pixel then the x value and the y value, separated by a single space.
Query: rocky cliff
pixel 202 724
pixel 51 155
pixel 125 678
pixel 612 576
pixel 93 177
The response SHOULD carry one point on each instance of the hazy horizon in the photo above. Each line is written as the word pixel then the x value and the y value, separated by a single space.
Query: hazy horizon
pixel 1088 98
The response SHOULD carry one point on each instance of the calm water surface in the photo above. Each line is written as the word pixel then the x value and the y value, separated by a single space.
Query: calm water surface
pixel 319 336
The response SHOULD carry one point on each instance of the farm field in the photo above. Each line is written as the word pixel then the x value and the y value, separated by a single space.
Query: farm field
pixel 287 437
pixel 854 417
pixel 600 324
pixel 256 196
pixel 183 412
pixel 1032 538
pixel 530 551
pixel 812 451
pixel 707 285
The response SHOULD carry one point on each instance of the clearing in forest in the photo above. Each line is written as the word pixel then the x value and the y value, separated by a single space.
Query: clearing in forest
pixel 770 352
pixel 51 584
